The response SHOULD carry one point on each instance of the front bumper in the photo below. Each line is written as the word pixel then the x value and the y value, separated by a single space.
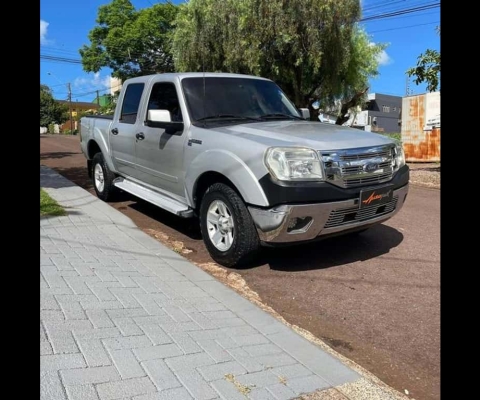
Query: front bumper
pixel 303 222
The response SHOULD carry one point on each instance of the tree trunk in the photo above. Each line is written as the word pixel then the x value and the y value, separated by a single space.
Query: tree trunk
pixel 298 98
pixel 313 112
pixel 354 101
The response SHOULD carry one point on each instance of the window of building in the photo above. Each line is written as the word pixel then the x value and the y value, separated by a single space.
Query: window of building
pixel 394 109
pixel 386 109
pixel 131 101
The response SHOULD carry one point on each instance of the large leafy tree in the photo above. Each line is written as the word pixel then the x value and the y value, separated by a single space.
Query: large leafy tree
pixel 51 111
pixel 313 49
pixel 130 42
pixel 427 69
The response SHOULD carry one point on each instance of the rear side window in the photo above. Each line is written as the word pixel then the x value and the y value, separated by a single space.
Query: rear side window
pixel 131 102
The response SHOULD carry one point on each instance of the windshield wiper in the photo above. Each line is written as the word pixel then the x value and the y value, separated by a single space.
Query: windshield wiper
pixel 227 116
pixel 279 115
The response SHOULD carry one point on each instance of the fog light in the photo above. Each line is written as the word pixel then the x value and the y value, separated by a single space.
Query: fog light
pixel 299 224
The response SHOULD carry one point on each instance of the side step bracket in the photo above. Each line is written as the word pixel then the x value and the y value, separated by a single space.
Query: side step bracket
pixel 160 200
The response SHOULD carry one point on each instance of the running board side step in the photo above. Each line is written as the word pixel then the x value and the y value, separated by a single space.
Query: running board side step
pixel 160 200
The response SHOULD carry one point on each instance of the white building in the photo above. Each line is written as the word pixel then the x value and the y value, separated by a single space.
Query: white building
pixel 115 85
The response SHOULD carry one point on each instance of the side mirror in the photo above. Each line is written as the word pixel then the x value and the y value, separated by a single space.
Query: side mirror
pixel 159 116
pixel 162 119
pixel 305 113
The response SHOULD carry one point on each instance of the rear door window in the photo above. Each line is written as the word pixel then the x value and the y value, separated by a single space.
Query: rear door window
pixel 131 103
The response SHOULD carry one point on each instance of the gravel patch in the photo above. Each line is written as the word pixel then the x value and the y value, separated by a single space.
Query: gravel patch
pixel 425 174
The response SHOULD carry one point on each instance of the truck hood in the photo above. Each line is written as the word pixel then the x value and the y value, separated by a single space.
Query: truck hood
pixel 316 135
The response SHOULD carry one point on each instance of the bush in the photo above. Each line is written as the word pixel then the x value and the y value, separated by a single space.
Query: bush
pixel 70 132
pixel 394 136
pixel 51 128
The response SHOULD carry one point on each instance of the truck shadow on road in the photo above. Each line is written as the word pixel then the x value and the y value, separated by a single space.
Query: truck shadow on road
pixel 189 227
pixel 327 253
pixel 332 252
pixel 56 155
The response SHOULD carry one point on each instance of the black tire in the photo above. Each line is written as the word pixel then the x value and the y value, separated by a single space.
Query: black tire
pixel 245 237
pixel 108 191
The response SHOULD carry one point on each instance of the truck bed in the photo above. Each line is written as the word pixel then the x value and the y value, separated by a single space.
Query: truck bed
pixel 99 116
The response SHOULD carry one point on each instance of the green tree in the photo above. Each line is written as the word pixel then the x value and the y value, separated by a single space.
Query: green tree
pixel 130 42
pixel 427 69
pixel 313 49
pixel 51 111
pixel 353 85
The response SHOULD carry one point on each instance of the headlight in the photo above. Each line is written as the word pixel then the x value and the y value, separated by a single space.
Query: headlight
pixel 399 156
pixel 293 164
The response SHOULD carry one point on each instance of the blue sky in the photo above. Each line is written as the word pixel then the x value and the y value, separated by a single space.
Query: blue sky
pixel 64 28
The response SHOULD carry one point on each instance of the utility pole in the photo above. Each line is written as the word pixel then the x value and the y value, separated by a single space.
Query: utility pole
pixel 408 89
pixel 98 98
pixel 69 89
pixel 72 128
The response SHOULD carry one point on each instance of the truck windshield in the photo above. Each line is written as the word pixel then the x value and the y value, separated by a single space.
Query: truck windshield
pixel 235 100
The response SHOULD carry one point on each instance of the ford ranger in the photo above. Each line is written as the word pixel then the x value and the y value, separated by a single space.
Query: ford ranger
pixel 235 152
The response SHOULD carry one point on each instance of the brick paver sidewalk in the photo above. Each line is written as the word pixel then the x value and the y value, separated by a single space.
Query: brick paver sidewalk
pixel 124 317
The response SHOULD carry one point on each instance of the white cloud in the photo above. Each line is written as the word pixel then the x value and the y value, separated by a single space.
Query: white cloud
pixel 90 83
pixel 384 58
pixel 43 31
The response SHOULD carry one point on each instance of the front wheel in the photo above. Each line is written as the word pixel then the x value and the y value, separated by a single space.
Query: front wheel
pixel 102 178
pixel 227 227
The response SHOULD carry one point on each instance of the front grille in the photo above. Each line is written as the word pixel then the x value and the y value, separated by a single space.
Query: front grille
pixel 351 215
pixel 359 167
pixel 363 156
pixel 368 180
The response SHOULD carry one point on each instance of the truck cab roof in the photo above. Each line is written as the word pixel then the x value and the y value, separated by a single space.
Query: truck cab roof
pixel 182 75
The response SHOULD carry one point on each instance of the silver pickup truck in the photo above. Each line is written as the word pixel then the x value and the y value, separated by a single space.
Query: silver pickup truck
pixel 235 152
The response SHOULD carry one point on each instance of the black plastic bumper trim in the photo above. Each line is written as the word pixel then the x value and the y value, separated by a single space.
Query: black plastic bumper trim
pixel 278 193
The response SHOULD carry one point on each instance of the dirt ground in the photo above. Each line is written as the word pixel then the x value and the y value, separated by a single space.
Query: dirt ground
pixel 425 174
pixel 374 299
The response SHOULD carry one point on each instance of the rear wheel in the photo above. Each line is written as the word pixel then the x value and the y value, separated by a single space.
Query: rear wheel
pixel 102 178
pixel 227 227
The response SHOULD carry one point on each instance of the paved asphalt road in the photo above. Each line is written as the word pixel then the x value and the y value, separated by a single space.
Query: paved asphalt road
pixel 374 298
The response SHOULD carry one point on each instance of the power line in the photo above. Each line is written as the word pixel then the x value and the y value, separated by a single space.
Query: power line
pixel 95 91
pixel 112 51
pixel 58 50
pixel 60 59
pixel 59 84
pixel 405 27
pixel 55 59
pixel 381 4
pixel 400 12
pixel 410 16
pixel 391 6
pixel 119 50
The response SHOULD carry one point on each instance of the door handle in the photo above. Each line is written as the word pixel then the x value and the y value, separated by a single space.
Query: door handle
pixel 140 136
pixel 114 131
